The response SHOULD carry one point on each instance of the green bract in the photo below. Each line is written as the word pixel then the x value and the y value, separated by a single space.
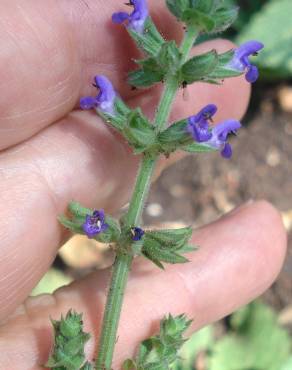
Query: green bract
pixel 210 67
pixel 161 351
pixel 117 121
pixel 208 16
pixel 156 68
pixel 70 340
pixel 176 137
pixel 139 132
pixel 150 40
pixel 167 245
pixel 79 213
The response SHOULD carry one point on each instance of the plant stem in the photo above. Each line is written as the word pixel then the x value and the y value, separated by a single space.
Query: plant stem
pixel 133 217
pixel 188 42
pixel 163 110
pixel 121 270
pixel 123 262
pixel 112 311
pixel 172 83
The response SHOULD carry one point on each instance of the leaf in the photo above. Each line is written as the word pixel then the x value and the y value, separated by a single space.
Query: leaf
pixel 222 71
pixel 258 342
pixel 144 78
pixel 129 365
pixel 155 68
pixel 169 57
pixel 177 7
pixel 199 67
pixel 203 340
pixel 139 132
pixel 288 364
pixel 224 17
pixel 175 136
pixel 202 21
pixel 50 282
pixel 272 26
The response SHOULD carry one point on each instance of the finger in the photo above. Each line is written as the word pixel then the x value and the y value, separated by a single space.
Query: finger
pixel 80 159
pixel 50 52
pixel 238 259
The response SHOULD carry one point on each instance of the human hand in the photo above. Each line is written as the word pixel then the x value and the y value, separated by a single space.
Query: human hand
pixel 52 153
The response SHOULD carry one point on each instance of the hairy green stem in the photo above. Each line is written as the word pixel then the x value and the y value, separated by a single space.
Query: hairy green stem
pixel 112 311
pixel 133 217
pixel 172 84
pixel 121 270
pixel 188 43
pixel 123 262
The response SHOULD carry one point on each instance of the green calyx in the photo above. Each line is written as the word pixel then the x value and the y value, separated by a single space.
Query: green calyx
pixel 150 40
pixel 209 67
pixel 70 340
pixel 208 16
pixel 78 218
pixel 167 246
pixel 139 132
pixel 161 351
pixel 157 67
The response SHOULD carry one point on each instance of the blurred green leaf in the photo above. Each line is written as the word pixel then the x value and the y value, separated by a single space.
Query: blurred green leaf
pixel 272 26
pixel 200 341
pixel 288 364
pixel 50 282
pixel 258 343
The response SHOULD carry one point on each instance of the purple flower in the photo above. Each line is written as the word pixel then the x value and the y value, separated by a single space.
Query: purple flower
pixel 220 134
pixel 105 100
pixel 241 62
pixel 95 224
pixel 136 20
pixel 216 137
pixel 198 125
pixel 137 233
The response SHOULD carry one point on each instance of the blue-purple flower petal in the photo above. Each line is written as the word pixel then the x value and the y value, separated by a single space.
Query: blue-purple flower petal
pixel 240 61
pixel 95 224
pixel 252 74
pixel 223 129
pixel 88 102
pixel 198 125
pixel 105 100
pixel 136 20
pixel 120 17
pixel 226 152
pixel 137 233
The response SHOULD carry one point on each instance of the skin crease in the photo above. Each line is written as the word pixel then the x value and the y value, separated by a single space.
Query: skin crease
pixel 52 153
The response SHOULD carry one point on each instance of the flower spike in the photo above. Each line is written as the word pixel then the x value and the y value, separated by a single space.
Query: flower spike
pixel 241 62
pixel 136 20
pixel 95 224
pixel 198 125
pixel 105 100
